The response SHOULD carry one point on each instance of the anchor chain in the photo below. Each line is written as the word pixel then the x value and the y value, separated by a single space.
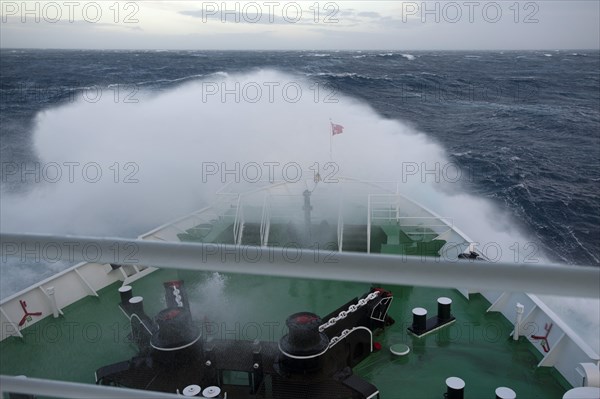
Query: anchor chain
pixel 351 309
pixel 343 335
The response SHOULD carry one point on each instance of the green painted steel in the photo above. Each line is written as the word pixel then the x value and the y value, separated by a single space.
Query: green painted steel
pixel 477 347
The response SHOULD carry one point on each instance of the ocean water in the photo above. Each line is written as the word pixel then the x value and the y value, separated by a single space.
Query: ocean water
pixel 505 143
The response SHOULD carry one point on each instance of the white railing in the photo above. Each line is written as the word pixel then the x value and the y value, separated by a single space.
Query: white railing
pixel 369 224
pixel 414 219
pixel 285 208
pixel 416 226
pixel 265 223
pixel 340 229
pixel 52 295
pixel 72 390
pixel 562 347
pixel 572 281
pixel 551 279
pixel 238 224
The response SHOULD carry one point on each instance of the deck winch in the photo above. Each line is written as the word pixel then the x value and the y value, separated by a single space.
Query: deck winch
pixel 314 359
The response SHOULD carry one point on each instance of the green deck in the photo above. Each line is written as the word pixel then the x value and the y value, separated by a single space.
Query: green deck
pixel 477 348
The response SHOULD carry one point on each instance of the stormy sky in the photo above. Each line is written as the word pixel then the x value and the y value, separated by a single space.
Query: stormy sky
pixel 301 25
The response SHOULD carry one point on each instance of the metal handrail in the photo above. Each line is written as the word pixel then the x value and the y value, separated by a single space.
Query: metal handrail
pixel 540 278
pixel 72 390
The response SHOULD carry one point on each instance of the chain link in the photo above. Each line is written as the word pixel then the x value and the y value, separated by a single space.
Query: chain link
pixel 335 340
pixel 344 313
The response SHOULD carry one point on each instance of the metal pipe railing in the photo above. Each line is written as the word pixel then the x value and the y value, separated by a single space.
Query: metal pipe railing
pixel 538 278
pixel 72 390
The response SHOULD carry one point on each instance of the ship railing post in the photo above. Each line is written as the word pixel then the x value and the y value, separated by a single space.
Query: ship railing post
pixel 520 310
pixel 369 224
pixel 340 229
pixel 14 328
pixel 268 229
pixel 50 292
pixel 236 221
pixel 265 222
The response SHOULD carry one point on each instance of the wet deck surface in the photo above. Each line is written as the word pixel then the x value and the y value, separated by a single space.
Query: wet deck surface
pixel 477 347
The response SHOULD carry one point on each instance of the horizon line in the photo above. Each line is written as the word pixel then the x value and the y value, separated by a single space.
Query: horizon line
pixel 292 50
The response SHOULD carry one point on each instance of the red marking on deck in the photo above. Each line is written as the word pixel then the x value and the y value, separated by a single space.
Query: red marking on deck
pixel 27 314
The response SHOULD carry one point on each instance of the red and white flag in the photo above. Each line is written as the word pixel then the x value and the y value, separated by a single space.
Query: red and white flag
pixel 336 129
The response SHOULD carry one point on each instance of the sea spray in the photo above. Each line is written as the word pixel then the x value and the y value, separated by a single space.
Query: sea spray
pixel 259 117
pixel 160 145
